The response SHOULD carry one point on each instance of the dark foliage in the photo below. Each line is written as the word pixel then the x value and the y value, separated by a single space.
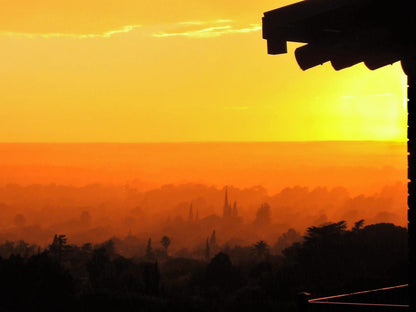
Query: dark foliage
pixel 329 260
pixel 38 283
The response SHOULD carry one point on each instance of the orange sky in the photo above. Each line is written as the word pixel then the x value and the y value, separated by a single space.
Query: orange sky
pixel 177 70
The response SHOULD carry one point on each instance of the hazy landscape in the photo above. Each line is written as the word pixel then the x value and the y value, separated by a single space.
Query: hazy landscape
pixel 159 156
pixel 198 226
pixel 92 192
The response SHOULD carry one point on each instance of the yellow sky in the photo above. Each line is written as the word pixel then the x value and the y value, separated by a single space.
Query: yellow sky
pixel 177 70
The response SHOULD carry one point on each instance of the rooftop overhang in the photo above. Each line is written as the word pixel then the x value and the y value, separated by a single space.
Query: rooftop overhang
pixel 343 32
pixel 347 32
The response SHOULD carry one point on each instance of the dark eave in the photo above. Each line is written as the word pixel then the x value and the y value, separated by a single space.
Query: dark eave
pixel 344 32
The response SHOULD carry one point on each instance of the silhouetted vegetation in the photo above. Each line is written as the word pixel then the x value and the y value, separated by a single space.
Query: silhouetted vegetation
pixel 187 214
pixel 328 259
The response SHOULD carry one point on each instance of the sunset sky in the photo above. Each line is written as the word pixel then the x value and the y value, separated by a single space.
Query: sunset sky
pixel 174 71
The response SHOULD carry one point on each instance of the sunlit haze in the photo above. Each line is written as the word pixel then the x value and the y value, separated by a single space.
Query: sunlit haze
pixel 191 89
pixel 153 71
pixel 117 117
pixel 155 157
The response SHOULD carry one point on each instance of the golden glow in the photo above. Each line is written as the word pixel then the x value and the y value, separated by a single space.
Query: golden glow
pixel 106 34
pixel 179 71
pixel 203 23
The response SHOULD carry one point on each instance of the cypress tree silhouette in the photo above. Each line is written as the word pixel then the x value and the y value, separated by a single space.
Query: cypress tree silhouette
pixel 191 213
pixel 213 239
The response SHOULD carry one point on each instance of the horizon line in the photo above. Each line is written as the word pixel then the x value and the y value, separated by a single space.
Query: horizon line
pixel 206 142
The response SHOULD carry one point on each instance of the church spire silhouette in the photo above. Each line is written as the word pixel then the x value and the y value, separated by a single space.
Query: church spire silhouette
pixel 235 211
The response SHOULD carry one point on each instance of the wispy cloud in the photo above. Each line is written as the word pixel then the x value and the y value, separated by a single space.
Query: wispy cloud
pixel 106 34
pixel 208 29
pixel 190 29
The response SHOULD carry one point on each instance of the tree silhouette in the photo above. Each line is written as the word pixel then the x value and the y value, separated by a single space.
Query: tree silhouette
pixel 165 241
pixel 109 247
pixel 261 249
pixel 287 239
pixel 87 247
pixel 22 248
pixel 263 215
pixel 151 278
pixel 213 239
pixel 98 267
pixel 85 219
pixel 219 269
pixel 327 232
pixel 358 225
pixel 191 214
pixel 6 249
pixel 207 251
pixel 149 250
pixel 59 242
pixel 214 248
pixel 221 276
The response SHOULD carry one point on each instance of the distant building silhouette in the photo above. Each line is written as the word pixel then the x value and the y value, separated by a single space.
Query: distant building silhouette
pixel 228 211
pixel 235 212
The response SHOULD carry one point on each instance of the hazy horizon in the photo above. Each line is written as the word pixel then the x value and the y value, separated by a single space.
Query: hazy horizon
pixel 137 186
pixel 208 142
pixel 242 164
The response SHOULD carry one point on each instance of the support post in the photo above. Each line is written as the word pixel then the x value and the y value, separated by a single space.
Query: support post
pixel 409 67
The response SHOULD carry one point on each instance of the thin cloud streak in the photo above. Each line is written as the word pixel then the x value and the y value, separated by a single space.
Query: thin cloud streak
pixel 107 34
pixel 215 29
pixel 209 32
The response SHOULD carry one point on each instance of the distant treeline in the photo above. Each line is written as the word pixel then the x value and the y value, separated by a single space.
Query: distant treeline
pixel 329 259
pixel 187 213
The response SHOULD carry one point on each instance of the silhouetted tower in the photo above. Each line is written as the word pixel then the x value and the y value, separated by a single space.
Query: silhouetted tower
pixel 235 212
pixel 226 211
pixel 191 214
